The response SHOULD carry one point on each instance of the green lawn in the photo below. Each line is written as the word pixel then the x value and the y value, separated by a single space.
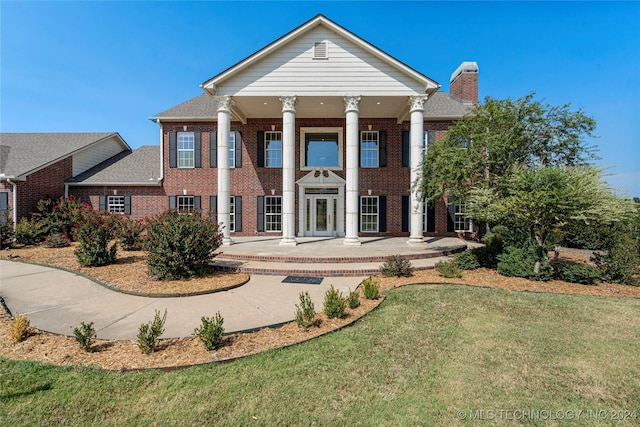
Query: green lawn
pixel 426 354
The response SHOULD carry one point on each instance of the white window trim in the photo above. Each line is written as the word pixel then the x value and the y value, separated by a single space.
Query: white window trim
pixel 183 150
pixel 267 150
pixel 305 130
pixel 377 214
pixel 232 150
pixel 363 150
pixel 111 204
pixel 182 203
pixel 268 215
pixel 232 214
pixel 460 216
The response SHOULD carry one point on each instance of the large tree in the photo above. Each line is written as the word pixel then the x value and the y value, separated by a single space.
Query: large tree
pixel 483 149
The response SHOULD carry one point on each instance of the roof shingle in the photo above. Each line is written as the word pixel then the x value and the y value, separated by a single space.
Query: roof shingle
pixel 140 166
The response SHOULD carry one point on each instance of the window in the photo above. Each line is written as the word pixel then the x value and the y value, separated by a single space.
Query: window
pixel 185 204
pixel 115 204
pixel 232 213
pixel 428 139
pixel 460 222
pixel 186 150
pixel 232 150
pixel 369 214
pixel 273 213
pixel 321 148
pixel 369 149
pixel 273 149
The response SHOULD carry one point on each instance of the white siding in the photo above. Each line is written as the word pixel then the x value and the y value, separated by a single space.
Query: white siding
pixel 348 69
pixel 98 153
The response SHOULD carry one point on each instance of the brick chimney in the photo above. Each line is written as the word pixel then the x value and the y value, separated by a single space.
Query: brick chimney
pixel 464 82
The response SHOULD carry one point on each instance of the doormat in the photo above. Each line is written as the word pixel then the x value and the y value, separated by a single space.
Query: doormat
pixel 303 279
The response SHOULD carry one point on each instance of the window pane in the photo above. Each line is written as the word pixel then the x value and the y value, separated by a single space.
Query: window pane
pixel 369 214
pixel 273 147
pixel 185 204
pixel 322 150
pixel 232 150
pixel 273 213
pixel 369 149
pixel 115 204
pixel 232 213
pixel 186 152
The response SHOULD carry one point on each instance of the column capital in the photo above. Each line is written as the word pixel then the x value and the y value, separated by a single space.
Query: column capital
pixel 417 102
pixel 352 103
pixel 224 103
pixel 289 103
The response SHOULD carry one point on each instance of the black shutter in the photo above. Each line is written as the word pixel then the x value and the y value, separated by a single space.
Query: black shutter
pixel 102 203
pixel 405 214
pixel 451 214
pixel 127 205
pixel 382 136
pixel 197 145
pixel 172 202
pixel 213 208
pixel 173 150
pixel 213 149
pixel 238 150
pixel 431 219
pixel 238 208
pixel 197 203
pixel 261 149
pixel 382 214
pixel 406 149
pixel 4 206
pixel 260 213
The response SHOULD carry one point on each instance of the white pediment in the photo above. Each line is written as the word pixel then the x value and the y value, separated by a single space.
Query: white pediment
pixel 321 178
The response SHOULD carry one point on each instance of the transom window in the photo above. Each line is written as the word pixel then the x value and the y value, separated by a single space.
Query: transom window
pixel 232 150
pixel 321 147
pixel 273 213
pixel 185 204
pixel 115 204
pixel 232 213
pixel 369 214
pixel 369 149
pixel 273 148
pixel 186 150
pixel 460 222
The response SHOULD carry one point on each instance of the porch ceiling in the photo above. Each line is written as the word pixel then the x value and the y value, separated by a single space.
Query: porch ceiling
pixel 321 107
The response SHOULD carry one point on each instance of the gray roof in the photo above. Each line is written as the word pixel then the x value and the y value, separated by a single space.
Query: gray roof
pixel 25 153
pixel 201 107
pixel 442 105
pixel 140 166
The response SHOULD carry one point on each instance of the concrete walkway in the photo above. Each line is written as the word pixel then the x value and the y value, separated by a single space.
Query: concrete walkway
pixel 58 301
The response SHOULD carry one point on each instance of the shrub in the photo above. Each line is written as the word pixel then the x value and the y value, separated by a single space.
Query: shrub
pixel 487 255
pixel 576 273
pixel 180 245
pixel 520 262
pixel 210 331
pixel 149 333
pixel 94 236
pixel 334 303
pixel 396 266
pixel 448 269
pixel 21 328
pixel 129 234
pixel 353 299
pixel 6 231
pixel 57 240
pixel 305 312
pixel 621 264
pixel 29 232
pixel 62 216
pixel 85 336
pixel 371 288
pixel 466 260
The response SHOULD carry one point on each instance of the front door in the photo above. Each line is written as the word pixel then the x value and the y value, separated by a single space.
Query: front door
pixel 321 215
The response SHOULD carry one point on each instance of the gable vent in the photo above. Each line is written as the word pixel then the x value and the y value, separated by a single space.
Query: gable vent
pixel 320 50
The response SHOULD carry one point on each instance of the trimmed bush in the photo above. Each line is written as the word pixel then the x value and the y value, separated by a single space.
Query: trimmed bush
pixel 210 331
pixel 334 303
pixel 21 328
pixel 149 333
pixel 576 273
pixel 305 312
pixel 448 269
pixel 180 245
pixel 371 288
pixel 56 240
pixel 29 233
pixel 95 235
pixel 6 231
pixel 466 260
pixel 396 266
pixel 353 300
pixel 129 234
pixel 621 264
pixel 520 262
pixel 85 336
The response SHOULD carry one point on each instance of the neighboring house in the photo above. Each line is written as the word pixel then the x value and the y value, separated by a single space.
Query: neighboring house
pixel 319 133
pixel 33 166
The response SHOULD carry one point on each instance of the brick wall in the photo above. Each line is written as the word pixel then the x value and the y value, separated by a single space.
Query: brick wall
pixel 145 201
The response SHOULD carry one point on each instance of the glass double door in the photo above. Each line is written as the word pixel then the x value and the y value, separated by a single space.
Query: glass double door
pixel 322 212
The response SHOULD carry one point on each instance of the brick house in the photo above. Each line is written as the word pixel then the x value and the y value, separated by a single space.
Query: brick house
pixel 319 133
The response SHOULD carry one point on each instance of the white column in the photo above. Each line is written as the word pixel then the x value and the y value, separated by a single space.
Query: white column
pixel 417 132
pixel 352 199
pixel 288 170
pixel 224 179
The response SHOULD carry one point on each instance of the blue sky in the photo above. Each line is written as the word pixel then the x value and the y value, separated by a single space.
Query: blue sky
pixel 109 66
